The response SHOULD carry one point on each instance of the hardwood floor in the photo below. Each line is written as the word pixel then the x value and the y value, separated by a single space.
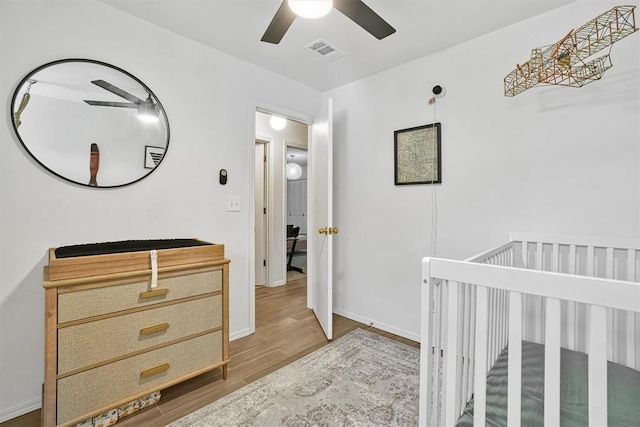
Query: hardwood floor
pixel 285 331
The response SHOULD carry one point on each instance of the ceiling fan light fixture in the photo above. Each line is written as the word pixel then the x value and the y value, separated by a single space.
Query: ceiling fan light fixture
pixel 310 9
pixel 147 111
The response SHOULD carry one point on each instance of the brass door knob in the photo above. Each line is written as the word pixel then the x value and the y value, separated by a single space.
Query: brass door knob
pixel 328 230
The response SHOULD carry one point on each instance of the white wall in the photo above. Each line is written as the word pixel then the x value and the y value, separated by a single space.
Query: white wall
pixel 208 97
pixel 551 159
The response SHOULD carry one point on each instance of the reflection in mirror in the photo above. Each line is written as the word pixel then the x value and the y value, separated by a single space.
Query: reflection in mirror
pixel 90 122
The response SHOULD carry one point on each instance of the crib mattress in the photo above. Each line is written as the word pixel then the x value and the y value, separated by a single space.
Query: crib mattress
pixel 623 391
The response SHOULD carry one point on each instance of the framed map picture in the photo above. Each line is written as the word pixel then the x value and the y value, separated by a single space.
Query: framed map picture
pixel 418 157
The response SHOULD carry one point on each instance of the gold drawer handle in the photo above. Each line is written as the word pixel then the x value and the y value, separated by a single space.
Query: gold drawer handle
pixel 154 293
pixel 154 371
pixel 153 329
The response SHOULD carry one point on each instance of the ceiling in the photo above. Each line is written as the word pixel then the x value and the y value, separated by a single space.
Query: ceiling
pixel 423 27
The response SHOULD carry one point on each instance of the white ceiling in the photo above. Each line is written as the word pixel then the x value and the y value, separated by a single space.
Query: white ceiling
pixel 422 27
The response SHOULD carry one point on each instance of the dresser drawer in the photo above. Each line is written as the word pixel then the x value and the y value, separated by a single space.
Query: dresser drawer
pixel 85 303
pixel 90 343
pixel 104 386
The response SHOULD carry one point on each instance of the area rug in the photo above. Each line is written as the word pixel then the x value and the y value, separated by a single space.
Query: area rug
pixel 361 379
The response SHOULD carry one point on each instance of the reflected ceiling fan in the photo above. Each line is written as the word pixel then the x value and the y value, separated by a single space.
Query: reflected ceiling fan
pixel 146 108
pixel 355 10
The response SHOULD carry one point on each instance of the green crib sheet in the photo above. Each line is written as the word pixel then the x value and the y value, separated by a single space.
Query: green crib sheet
pixel 623 391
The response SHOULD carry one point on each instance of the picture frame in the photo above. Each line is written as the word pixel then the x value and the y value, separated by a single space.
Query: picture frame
pixel 418 155
pixel 152 156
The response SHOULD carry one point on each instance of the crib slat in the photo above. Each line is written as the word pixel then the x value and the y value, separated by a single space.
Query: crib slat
pixel 572 259
pixel 552 362
pixel 539 265
pixel 631 319
pixel 450 402
pixel 514 373
pixel 572 336
pixel 460 403
pixel 480 371
pixel 555 258
pixel 492 328
pixel 597 366
pixel 472 341
pixel 525 254
pixel 591 261
pixel 612 317
pixel 438 324
pixel 631 341
pixel 465 343
pixel 631 265
pixel 610 259
pixel 503 321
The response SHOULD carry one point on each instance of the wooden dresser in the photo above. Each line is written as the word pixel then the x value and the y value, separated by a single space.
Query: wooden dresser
pixel 119 326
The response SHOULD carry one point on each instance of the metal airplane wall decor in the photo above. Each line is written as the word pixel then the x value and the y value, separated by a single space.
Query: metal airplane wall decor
pixel 568 62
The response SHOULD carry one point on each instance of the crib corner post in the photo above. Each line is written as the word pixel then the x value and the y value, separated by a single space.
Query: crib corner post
pixel 426 346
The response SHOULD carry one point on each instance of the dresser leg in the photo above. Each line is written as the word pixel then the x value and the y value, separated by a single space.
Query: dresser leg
pixel 224 372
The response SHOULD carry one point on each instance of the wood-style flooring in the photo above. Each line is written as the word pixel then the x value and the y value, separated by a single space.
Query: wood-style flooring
pixel 286 330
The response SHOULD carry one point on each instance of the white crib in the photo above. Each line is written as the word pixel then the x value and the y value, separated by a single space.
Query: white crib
pixel 570 292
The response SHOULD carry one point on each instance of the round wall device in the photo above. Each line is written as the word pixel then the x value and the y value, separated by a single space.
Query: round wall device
pixel 439 91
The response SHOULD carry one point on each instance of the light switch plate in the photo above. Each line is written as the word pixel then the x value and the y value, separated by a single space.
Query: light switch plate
pixel 233 204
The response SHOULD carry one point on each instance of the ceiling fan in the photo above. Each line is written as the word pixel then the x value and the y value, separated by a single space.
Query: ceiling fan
pixel 146 108
pixel 355 10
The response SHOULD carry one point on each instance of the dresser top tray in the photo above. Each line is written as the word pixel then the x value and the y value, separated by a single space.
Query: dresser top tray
pixel 99 259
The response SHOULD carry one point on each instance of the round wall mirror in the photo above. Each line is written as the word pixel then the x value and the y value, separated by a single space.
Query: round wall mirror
pixel 90 123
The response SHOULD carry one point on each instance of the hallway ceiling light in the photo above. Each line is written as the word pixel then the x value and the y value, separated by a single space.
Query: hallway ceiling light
pixel 310 9
pixel 294 170
pixel 277 123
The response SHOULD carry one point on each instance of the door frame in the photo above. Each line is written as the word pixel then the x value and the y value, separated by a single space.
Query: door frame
pixel 257 105
pixel 266 144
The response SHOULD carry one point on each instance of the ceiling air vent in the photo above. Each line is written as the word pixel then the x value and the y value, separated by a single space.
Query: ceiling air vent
pixel 325 50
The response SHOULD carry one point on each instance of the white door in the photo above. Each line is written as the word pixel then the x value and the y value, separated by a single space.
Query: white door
pixel 321 229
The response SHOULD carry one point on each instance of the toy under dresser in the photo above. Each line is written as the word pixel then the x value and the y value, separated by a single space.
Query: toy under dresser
pixel 124 319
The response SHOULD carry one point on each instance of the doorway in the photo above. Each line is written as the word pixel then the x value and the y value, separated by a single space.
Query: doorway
pixel 317 132
pixel 277 204
pixel 296 176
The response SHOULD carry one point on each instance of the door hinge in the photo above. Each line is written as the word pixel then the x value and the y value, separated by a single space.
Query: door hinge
pixel 264 262
pixel 264 159
pixel 264 211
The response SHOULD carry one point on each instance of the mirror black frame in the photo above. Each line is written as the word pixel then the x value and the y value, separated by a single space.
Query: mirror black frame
pixel 30 75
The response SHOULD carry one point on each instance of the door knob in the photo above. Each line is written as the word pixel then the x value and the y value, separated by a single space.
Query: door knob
pixel 328 230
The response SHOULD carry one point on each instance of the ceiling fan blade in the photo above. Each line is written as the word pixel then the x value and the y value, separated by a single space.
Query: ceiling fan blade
pixel 279 25
pixel 362 15
pixel 116 90
pixel 111 104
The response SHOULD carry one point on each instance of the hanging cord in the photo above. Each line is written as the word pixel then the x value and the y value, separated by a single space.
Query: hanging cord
pixel 434 199
pixel 23 104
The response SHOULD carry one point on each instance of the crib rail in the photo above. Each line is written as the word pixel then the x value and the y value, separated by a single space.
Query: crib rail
pixel 475 308
pixel 593 256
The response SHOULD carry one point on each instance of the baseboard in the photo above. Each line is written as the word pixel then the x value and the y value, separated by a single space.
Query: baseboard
pixel 383 326
pixel 25 408
pixel 240 334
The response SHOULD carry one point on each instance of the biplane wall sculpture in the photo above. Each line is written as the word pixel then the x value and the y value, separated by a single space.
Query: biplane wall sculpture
pixel 568 62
